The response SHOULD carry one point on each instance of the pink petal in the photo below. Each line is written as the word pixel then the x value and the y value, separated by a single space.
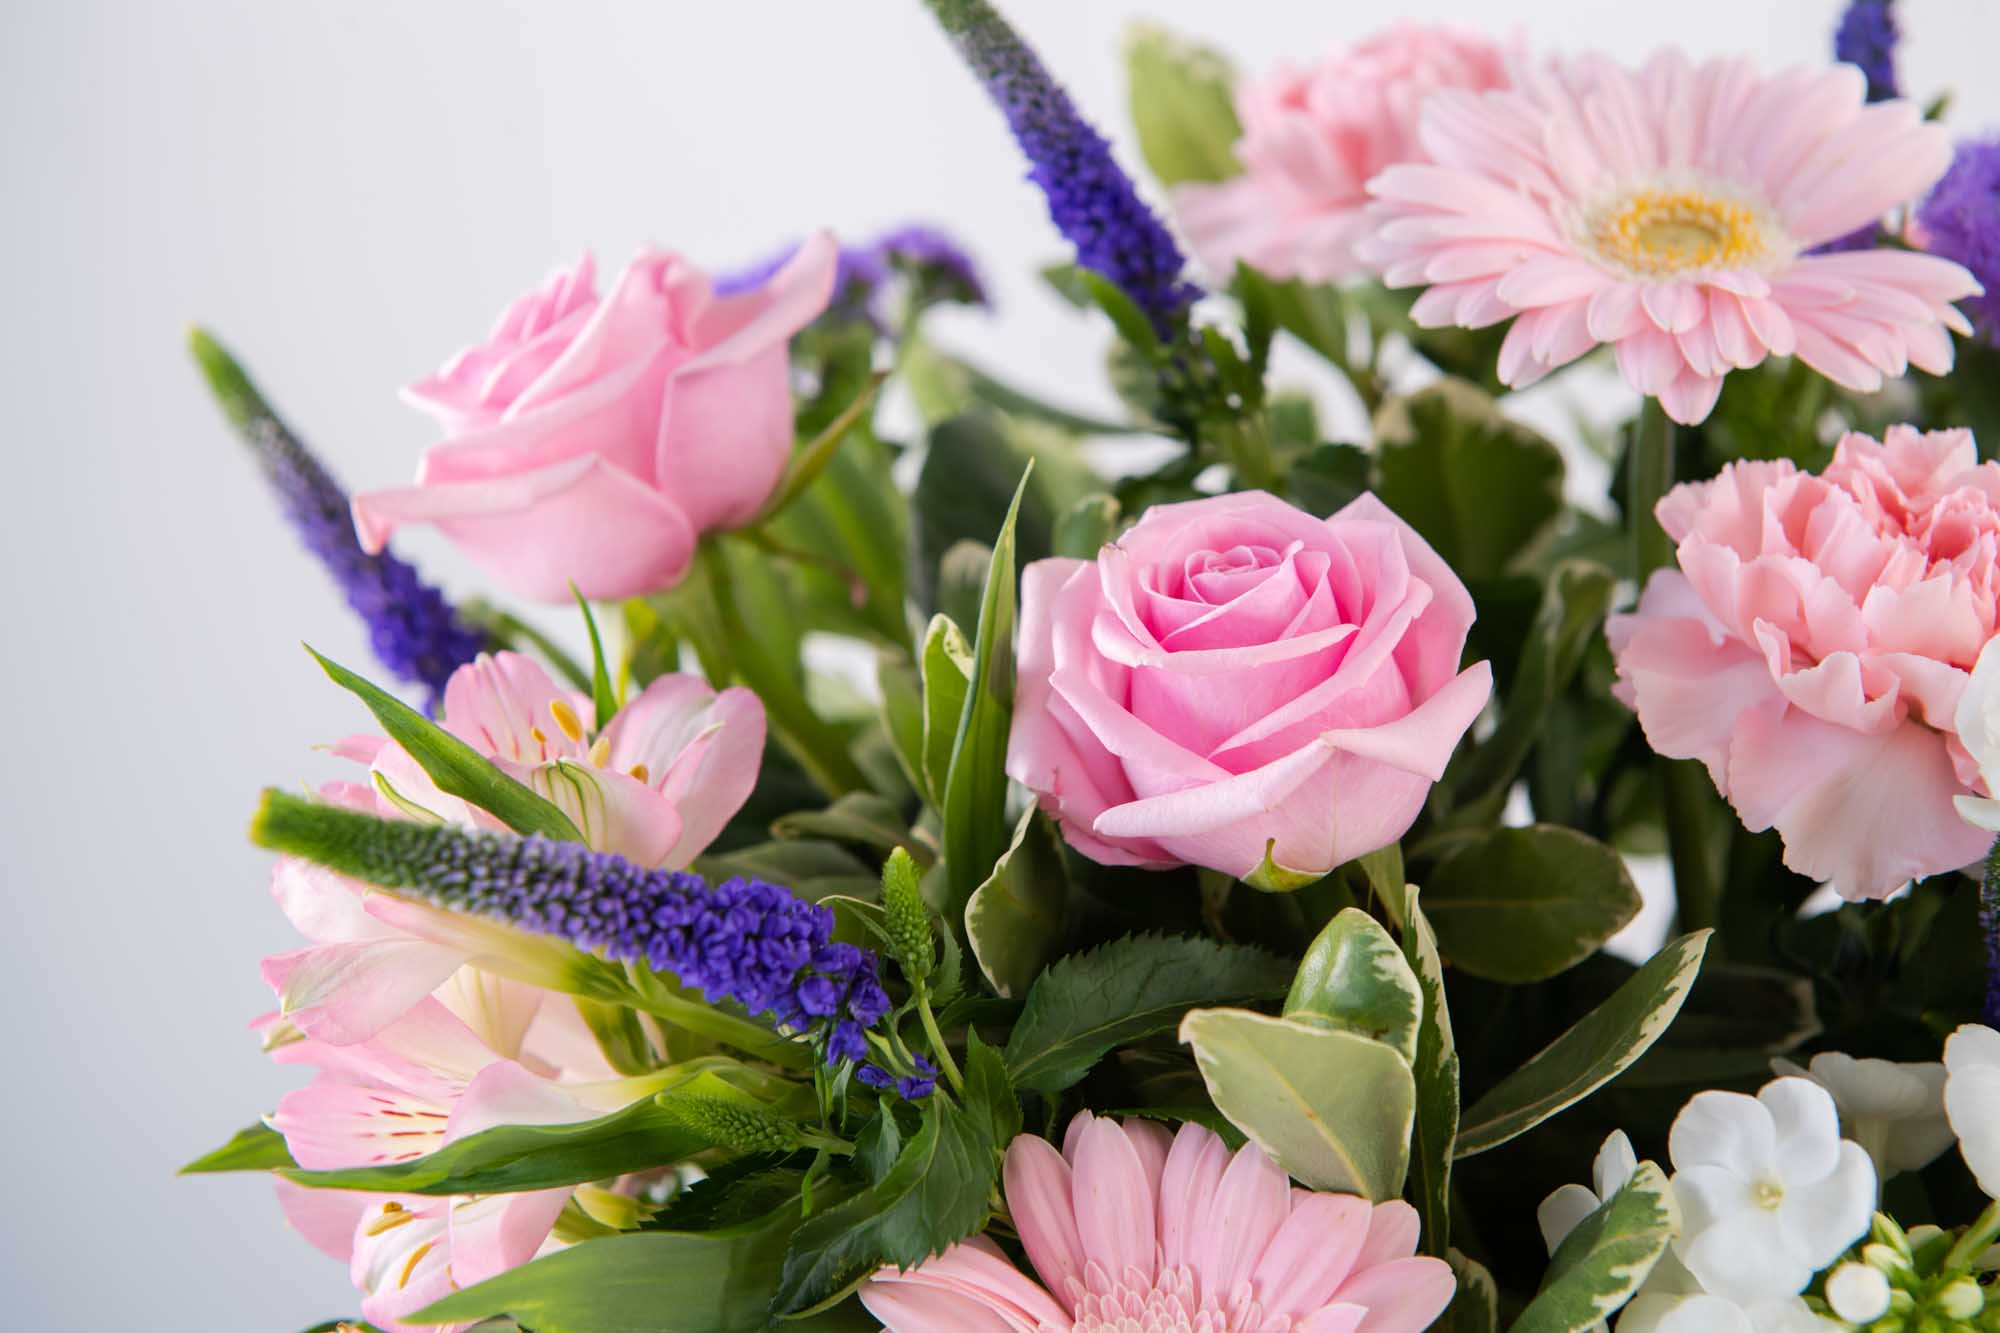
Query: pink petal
pixel 1114 1201
pixel 1040 1197
pixel 1402 1296
pixel 701 750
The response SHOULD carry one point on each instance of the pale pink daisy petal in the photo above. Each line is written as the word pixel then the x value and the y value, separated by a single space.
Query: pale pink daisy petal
pixel 1669 212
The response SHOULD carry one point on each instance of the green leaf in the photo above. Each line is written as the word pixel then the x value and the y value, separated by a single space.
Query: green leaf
pixel 961 581
pixel 1522 904
pixel 902 690
pixel 641 1282
pixel 975 785
pixel 1483 490
pixel 989 1093
pixel 1329 477
pixel 1475 1306
pixel 454 766
pixel 509 1159
pixel 1270 877
pixel 933 1196
pixel 1589 1055
pixel 1333 1108
pixel 1436 1068
pixel 1182 108
pixel 970 473
pixel 1015 921
pixel 1086 526
pixel 604 702
pixel 1354 978
pixel 651 650
pixel 859 817
pixel 1133 327
pixel 1571 616
pixel 1602 1262
pixel 947 668
pixel 853 526
pixel 1088 1003
pixel 255 1148
pixel 1314 314
pixel 812 459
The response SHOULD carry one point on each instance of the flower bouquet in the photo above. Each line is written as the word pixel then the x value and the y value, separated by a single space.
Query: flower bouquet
pixel 1194 914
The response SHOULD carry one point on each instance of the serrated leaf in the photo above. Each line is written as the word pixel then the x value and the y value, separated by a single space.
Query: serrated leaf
pixel 933 1196
pixel 1015 920
pixel 1483 490
pixel 989 1093
pixel 1182 109
pixel 1088 1003
pixel 1521 905
pixel 256 1147
pixel 1603 1261
pixel 1436 1068
pixel 975 785
pixel 640 1282
pixel 1355 978
pixel 454 766
pixel 947 667
pixel 1589 1055
pixel 1333 1108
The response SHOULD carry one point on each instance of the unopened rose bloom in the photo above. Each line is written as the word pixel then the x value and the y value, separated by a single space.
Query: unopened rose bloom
pixel 1234 678
pixel 1813 646
pixel 1312 138
pixel 591 440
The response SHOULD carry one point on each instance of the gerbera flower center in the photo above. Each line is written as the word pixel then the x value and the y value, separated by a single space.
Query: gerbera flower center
pixel 1665 233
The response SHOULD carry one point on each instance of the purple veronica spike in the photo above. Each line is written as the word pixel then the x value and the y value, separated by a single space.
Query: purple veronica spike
pixel 1867 37
pixel 742 941
pixel 1092 202
pixel 414 631
pixel 938 266
pixel 1961 222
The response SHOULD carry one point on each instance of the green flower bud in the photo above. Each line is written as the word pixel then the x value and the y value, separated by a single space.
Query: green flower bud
pixel 732 1124
pixel 1961 1299
pixel 909 921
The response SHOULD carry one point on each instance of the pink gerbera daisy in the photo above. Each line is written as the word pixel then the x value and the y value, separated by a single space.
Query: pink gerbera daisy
pixel 1132 1230
pixel 1672 212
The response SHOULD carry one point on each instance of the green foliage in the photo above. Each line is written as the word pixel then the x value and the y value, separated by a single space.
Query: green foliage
pixel 1354 978
pixel 1086 1004
pixel 946 667
pixel 1483 490
pixel 454 766
pixel 1086 526
pixel 1600 1264
pixel 1436 1068
pixel 1333 1108
pixel 257 1147
pixel 1182 109
pixel 604 702
pixel 860 817
pixel 1017 920
pixel 1523 904
pixel 1590 1054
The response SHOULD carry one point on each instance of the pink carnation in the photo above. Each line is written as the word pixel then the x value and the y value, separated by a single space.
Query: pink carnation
pixel 1313 137
pixel 1130 1228
pixel 1672 213
pixel 1812 648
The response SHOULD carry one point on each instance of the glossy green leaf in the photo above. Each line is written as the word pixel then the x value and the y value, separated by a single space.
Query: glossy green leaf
pixel 1182 107
pixel 1436 1067
pixel 1589 1055
pixel 255 1148
pixel 1601 1263
pixel 1015 920
pixel 1355 978
pixel 642 1282
pixel 1523 904
pixel 454 766
pixel 1086 1004
pixel 1475 1306
pixel 1333 1108
pixel 1484 490
pixel 946 665
pixel 975 785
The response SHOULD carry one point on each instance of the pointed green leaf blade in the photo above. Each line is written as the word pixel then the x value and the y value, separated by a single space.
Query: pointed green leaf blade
pixel 1015 920
pixel 257 1147
pixel 1521 905
pixel 1436 1069
pixel 946 667
pixel 604 701
pixel 456 767
pixel 1355 978
pixel 1589 1055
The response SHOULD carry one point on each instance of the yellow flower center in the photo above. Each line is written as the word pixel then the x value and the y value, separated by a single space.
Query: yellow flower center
pixel 1664 233
pixel 1768 1194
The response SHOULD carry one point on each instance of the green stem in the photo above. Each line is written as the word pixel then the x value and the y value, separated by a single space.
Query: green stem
pixel 1697 887
pixel 938 1048
pixel 1649 475
pixel 1978 1238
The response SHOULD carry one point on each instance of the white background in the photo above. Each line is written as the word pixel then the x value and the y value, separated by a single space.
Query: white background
pixel 348 190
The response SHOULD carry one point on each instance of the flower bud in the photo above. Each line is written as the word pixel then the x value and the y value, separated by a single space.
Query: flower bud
pixel 1858 1293
pixel 1962 1299
pixel 909 921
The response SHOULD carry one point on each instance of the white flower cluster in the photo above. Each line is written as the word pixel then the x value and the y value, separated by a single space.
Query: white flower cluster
pixel 1771 1193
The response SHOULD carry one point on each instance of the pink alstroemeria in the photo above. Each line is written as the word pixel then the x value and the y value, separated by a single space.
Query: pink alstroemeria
pixel 655 786
pixel 1130 1228
pixel 449 1068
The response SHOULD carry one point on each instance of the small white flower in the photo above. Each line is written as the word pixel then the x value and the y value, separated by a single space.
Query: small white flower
pixel 1972 1096
pixel 1894 1111
pixel 1978 725
pixel 1655 1312
pixel 1769 1192
pixel 1859 1294
pixel 1570 1204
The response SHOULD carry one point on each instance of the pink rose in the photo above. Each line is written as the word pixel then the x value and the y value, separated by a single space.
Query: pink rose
pixel 1812 648
pixel 1235 677
pixel 1313 137
pixel 593 440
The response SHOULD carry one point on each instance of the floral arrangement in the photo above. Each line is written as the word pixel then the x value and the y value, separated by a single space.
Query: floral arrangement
pixel 1199 921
